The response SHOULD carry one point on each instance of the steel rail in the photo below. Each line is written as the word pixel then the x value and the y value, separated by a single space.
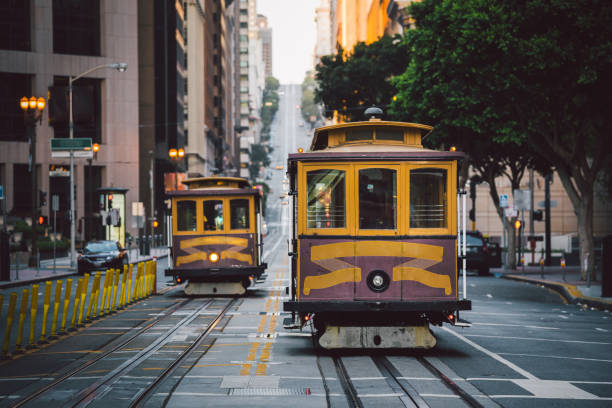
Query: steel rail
pixel 347 385
pixel 99 357
pixel 103 385
pixel 392 376
pixel 142 394
pixel 471 401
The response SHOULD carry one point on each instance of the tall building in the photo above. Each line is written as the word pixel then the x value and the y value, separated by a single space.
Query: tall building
pixel 323 44
pixel 42 44
pixel 265 34
pixel 243 71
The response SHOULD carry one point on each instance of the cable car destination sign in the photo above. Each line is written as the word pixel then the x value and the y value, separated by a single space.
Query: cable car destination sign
pixel 80 147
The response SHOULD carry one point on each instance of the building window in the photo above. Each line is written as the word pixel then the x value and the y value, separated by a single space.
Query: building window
pixel 14 87
pixel 15 25
pixel 86 108
pixel 76 27
pixel 22 190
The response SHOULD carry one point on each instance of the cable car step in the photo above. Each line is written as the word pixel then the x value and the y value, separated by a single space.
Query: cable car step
pixel 289 323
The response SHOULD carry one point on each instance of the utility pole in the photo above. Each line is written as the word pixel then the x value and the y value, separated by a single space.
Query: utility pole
pixel 547 180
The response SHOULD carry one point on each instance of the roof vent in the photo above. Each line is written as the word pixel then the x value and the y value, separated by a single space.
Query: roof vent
pixel 373 113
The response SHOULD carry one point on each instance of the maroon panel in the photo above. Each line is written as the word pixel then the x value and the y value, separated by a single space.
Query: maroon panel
pixel 400 290
pixel 218 248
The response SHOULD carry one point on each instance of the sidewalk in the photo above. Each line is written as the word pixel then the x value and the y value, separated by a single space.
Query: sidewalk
pixel 25 275
pixel 567 282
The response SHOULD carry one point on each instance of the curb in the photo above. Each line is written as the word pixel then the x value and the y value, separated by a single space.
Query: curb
pixel 570 293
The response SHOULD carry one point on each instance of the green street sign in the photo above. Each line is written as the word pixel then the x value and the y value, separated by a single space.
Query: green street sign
pixel 80 147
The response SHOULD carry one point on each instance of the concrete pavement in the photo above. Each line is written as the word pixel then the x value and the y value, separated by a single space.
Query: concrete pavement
pixel 24 275
pixel 565 281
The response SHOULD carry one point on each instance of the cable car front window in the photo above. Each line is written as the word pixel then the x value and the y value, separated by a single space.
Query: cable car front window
pixel 428 201
pixel 377 199
pixel 239 214
pixel 213 215
pixel 326 199
pixel 186 215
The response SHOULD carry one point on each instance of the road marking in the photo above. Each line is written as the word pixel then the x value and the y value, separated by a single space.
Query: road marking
pixel 559 357
pixel 442 395
pixel 515 325
pixel 601 330
pixel 537 339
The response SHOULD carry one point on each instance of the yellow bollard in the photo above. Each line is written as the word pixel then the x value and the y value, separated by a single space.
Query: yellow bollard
pixel 83 297
pixel 9 323
pixel 33 309
pixel 123 296
pixel 77 301
pixel 129 286
pixel 136 279
pixel 97 285
pixel 154 284
pixel 46 302
pixel 109 292
pixel 140 279
pixel 22 314
pixel 67 293
pixel 104 291
pixel 56 304
pixel 92 295
pixel 115 287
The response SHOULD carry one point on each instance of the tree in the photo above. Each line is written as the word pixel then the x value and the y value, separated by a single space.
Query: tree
pixel 269 106
pixel 351 82
pixel 258 157
pixel 309 108
pixel 528 72
pixel 453 83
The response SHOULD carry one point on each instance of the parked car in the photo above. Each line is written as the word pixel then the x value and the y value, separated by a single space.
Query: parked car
pixel 97 255
pixel 477 253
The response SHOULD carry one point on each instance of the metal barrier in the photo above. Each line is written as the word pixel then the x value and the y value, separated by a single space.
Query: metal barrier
pixel 119 289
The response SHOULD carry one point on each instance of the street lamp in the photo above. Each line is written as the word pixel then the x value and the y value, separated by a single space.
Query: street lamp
pixel 32 112
pixel 95 148
pixel 119 66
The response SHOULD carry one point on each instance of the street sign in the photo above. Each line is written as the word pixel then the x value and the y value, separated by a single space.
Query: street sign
pixel 537 238
pixel 80 147
pixel 522 199
pixel 542 204
pixel 503 200
pixel 511 212
pixel 54 202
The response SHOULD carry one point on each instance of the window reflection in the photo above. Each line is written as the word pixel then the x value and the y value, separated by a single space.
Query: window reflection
pixel 213 215
pixel 326 198
pixel 377 199
pixel 239 214
pixel 428 202
pixel 186 215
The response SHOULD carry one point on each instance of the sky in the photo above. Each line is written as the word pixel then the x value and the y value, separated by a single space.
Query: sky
pixel 293 36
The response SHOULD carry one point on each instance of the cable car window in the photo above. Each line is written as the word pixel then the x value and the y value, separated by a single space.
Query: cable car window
pixel 377 199
pixel 389 134
pixel 428 202
pixel 326 199
pixel 213 215
pixel 353 135
pixel 186 215
pixel 239 214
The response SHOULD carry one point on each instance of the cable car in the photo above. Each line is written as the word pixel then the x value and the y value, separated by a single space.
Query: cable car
pixel 374 245
pixel 216 236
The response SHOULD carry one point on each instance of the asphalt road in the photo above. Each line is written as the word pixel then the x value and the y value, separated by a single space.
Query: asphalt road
pixel 526 348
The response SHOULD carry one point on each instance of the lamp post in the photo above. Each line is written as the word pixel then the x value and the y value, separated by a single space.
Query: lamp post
pixel 32 112
pixel 95 148
pixel 119 66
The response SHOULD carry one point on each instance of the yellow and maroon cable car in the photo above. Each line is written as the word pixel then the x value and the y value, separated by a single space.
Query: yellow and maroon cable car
pixel 374 249
pixel 216 236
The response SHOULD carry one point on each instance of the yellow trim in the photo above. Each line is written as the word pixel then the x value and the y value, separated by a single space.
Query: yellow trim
pixel 376 248
pixel 423 276
pixel 239 256
pixel 197 256
pixel 331 279
pixel 216 240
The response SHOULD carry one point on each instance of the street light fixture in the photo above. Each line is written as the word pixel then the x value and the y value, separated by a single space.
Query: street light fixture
pixel 121 67
pixel 32 112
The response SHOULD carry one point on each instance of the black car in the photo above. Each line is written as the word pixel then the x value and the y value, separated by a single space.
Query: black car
pixel 99 255
pixel 477 253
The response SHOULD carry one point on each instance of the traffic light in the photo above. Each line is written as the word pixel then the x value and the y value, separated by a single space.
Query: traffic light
pixel 42 198
pixel 538 215
pixel 472 215
pixel 473 189
pixel 155 224
pixel 42 220
pixel 110 201
pixel 518 224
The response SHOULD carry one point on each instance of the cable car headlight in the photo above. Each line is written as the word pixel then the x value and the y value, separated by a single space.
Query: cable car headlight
pixel 213 257
pixel 378 281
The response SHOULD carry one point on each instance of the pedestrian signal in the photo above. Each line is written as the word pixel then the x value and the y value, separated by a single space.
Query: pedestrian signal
pixel 518 224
